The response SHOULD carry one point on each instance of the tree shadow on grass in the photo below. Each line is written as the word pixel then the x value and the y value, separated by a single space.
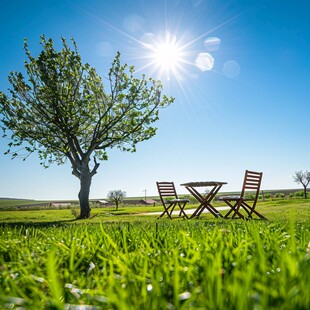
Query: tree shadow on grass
pixel 63 223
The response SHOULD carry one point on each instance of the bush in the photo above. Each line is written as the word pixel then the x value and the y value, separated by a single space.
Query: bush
pixel 299 194
pixel 279 195
pixel 267 196
pixel 249 196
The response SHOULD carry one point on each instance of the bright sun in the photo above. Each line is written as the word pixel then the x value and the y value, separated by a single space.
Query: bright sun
pixel 165 55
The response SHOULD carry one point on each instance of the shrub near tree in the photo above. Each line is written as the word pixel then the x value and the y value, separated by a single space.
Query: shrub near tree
pixel 62 110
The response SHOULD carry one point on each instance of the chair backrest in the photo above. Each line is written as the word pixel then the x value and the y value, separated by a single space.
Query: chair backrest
pixel 252 182
pixel 166 189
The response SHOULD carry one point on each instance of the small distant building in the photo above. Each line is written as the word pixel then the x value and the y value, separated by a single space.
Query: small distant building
pixel 102 203
pixel 60 204
pixel 148 202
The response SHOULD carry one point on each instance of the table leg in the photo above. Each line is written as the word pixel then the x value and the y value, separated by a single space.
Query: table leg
pixel 205 202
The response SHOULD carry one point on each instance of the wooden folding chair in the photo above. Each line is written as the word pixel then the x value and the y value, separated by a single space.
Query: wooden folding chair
pixel 170 199
pixel 252 182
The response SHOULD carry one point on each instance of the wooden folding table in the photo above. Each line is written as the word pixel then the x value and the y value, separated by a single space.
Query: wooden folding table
pixel 205 198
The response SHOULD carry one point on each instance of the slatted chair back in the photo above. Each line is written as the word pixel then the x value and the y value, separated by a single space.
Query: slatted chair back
pixel 166 190
pixel 252 182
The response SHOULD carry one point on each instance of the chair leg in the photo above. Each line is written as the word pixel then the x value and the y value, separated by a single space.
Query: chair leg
pixel 164 214
pixel 250 210
pixel 172 208
pixel 231 208
pixel 227 214
pixel 261 216
pixel 246 207
pixel 237 213
pixel 234 208
pixel 166 211
pixel 182 210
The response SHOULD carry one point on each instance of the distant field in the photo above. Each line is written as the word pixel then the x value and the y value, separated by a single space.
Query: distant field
pixel 15 204
pixel 22 204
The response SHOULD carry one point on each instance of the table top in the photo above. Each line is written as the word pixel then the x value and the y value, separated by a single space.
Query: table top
pixel 205 183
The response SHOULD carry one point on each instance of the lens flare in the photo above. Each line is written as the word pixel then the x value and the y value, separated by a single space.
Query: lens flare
pixel 204 61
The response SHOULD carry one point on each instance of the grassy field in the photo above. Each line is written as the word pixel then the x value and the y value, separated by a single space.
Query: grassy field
pixel 125 260
pixel 276 209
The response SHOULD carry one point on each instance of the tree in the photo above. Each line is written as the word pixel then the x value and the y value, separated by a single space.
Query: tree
pixel 302 178
pixel 116 196
pixel 63 111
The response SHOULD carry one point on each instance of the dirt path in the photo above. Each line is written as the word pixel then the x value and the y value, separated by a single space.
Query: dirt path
pixel 187 211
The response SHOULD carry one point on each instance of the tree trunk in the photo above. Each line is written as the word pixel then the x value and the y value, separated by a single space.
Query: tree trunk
pixel 80 169
pixel 85 182
pixel 305 192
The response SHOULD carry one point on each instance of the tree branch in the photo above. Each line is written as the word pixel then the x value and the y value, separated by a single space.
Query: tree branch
pixel 94 170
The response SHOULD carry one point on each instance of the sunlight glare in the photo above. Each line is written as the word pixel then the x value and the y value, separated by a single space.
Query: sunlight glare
pixel 166 54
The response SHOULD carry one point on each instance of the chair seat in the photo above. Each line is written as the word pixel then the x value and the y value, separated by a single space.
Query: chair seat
pixel 176 200
pixel 231 198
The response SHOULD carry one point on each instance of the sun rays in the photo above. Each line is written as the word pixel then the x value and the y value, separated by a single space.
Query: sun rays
pixel 175 55
pixel 164 55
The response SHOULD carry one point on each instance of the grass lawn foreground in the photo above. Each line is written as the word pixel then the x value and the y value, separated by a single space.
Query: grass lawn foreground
pixel 125 260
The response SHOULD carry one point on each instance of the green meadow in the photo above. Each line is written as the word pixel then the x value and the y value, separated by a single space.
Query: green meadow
pixel 127 259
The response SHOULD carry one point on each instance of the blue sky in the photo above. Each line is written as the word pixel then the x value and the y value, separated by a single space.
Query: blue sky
pixel 245 107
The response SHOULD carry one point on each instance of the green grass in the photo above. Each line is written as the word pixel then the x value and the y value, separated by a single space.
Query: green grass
pixel 121 260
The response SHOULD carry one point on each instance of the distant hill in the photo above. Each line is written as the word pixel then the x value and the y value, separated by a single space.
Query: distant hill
pixel 6 198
